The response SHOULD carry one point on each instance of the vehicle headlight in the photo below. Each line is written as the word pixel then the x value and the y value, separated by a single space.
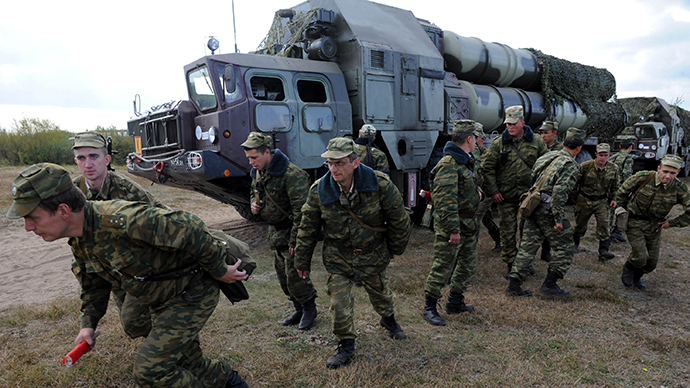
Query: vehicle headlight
pixel 213 135
pixel 649 155
pixel 653 147
pixel 198 132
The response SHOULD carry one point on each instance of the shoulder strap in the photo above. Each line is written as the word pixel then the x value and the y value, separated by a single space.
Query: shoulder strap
pixel 518 153
pixel 547 171
pixel 365 225
pixel 649 179
pixel 272 200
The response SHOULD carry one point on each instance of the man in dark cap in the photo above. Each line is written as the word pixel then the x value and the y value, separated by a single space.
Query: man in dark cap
pixel 367 151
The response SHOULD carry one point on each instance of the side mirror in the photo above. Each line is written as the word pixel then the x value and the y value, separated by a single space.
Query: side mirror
pixel 229 79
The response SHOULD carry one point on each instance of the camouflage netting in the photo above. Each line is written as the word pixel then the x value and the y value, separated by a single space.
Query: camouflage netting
pixel 589 87
pixel 685 123
pixel 283 38
pixel 640 108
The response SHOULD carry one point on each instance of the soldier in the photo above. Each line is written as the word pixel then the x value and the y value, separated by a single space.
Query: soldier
pixel 280 189
pixel 364 224
pixel 507 174
pixel 597 182
pixel 99 184
pixel 624 161
pixel 549 133
pixel 456 196
pixel 168 259
pixel 484 210
pixel 367 151
pixel 554 174
pixel 649 196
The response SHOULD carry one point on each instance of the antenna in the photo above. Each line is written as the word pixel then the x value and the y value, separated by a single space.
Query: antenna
pixel 234 29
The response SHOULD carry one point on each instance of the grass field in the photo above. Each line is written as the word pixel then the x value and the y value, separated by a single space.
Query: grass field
pixel 602 336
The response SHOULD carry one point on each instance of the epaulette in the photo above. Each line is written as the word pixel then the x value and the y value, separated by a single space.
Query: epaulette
pixel 382 175
pixel 115 221
pixel 683 185
pixel 316 183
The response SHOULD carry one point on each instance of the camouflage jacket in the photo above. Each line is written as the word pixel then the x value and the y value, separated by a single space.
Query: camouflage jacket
pixel 379 159
pixel 559 182
pixel 556 146
pixel 350 248
pixel 596 184
pixel 123 239
pixel 288 185
pixel 507 173
pixel 454 192
pixel 655 200
pixel 116 186
pixel 478 154
pixel 624 161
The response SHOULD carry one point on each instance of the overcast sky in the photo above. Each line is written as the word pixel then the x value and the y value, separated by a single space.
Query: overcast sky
pixel 80 63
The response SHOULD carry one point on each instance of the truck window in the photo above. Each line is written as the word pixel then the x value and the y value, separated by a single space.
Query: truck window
pixel 267 89
pixel 201 89
pixel 273 117
pixel 646 132
pixel 318 118
pixel 312 91
pixel 237 93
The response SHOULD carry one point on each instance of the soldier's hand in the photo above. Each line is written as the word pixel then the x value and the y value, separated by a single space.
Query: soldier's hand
pixel 292 251
pixel 454 239
pixel 233 275
pixel 613 204
pixel 558 227
pixel 303 274
pixel 497 198
pixel 664 225
pixel 256 208
pixel 86 334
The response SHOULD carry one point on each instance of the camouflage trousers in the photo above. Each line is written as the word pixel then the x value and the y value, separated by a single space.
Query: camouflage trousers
pixel 171 356
pixel 297 289
pixel 457 262
pixel 645 242
pixel 485 216
pixel 134 315
pixel 509 228
pixel 537 228
pixel 343 302
pixel 583 212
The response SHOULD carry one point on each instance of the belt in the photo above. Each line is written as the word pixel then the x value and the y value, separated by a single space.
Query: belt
pixel 172 274
pixel 593 197
pixel 643 218
pixel 356 251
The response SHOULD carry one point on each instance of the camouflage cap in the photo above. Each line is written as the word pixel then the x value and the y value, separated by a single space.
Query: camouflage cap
pixel 603 147
pixel 338 148
pixel 256 140
pixel 479 130
pixel 625 144
pixel 464 126
pixel 36 183
pixel 672 161
pixel 89 139
pixel 549 125
pixel 513 114
pixel 576 133
pixel 367 130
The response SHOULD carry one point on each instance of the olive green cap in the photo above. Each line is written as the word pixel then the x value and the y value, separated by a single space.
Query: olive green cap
pixel 256 140
pixel 513 114
pixel 338 148
pixel 576 133
pixel 549 125
pixel 479 130
pixel 36 183
pixel 603 147
pixel 367 130
pixel 672 161
pixel 89 139
pixel 464 126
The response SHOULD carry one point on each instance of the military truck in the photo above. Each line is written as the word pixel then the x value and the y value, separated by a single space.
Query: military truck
pixel 327 67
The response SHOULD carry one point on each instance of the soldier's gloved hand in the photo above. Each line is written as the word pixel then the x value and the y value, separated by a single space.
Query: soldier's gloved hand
pixel 233 275
pixel 256 208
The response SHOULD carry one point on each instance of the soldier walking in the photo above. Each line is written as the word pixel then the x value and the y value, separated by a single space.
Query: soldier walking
pixel 549 133
pixel 624 161
pixel 364 224
pixel 368 152
pixel 279 190
pixel 484 213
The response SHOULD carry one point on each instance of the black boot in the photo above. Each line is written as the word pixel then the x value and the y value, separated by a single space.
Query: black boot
pixel 510 267
pixel 343 355
pixel 456 304
pixel 628 274
pixel 295 317
pixel 496 236
pixel 576 240
pixel 514 289
pixel 604 254
pixel 546 251
pixel 394 330
pixel 617 235
pixel 551 288
pixel 235 381
pixel 637 280
pixel 430 313
pixel 308 315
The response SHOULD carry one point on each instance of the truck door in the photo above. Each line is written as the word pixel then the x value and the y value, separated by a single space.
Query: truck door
pixel 317 116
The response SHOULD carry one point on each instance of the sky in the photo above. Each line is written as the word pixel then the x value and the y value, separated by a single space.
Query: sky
pixel 79 64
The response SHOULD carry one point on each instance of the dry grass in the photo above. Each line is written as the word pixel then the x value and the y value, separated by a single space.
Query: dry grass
pixel 603 336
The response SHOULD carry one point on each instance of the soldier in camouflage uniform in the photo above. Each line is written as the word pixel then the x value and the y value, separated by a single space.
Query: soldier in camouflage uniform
pixel 364 224
pixel 367 151
pixel 624 161
pixel 597 182
pixel 507 171
pixel 549 133
pixel 484 210
pixel 555 172
pixel 456 196
pixel 280 189
pixel 167 259
pixel 99 184
pixel 649 196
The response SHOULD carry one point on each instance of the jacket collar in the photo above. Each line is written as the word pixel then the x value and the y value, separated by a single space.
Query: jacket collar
pixel 365 180
pixel 277 167
pixel 528 135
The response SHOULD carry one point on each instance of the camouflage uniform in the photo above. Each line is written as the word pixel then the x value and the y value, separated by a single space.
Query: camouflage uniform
pixel 353 253
pixel 126 240
pixel 556 146
pixel 510 175
pixel 379 159
pixel 288 185
pixel 596 188
pixel 484 214
pixel 562 171
pixel 624 161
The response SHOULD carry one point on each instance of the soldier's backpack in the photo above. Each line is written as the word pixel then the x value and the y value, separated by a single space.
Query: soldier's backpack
pixel 236 249
pixel 532 198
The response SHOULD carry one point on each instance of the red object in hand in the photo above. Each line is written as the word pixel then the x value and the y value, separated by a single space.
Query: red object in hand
pixel 74 355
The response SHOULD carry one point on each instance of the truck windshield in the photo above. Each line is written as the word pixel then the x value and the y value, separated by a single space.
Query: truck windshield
pixel 234 95
pixel 646 132
pixel 201 89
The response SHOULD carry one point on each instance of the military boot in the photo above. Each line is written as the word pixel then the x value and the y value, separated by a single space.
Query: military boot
pixel 549 287
pixel 576 240
pixel 295 317
pixel 496 236
pixel 430 313
pixel 637 280
pixel 308 315
pixel 514 289
pixel 235 381
pixel 510 268
pixel 604 254
pixel 628 274
pixel 394 330
pixel 456 304
pixel 546 251
pixel 617 235
pixel 343 355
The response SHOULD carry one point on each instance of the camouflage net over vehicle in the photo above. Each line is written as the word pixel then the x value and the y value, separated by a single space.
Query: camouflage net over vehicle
pixel 589 87
pixel 283 39
pixel 685 123
pixel 639 108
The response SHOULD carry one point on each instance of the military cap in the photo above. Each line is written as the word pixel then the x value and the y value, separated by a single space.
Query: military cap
pixel 479 130
pixel 338 148
pixel 625 144
pixel 513 114
pixel 576 133
pixel 367 130
pixel 549 125
pixel 36 183
pixel 672 161
pixel 89 139
pixel 603 147
pixel 464 126
pixel 256 140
